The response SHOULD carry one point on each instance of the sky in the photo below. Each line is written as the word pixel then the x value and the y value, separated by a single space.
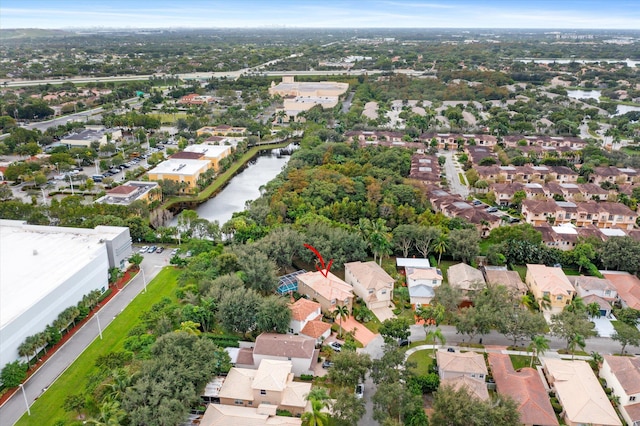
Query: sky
pixel 557 14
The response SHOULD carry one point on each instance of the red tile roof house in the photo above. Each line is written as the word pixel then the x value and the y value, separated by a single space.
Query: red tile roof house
pixel 306 319
pixel 622 374
pixel 526 388
pixel 627 286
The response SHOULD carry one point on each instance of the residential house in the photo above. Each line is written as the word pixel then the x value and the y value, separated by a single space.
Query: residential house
pixel 463 369
pixel 306 319
pixel 565 236
pixel 271 384
pixel 602 215
pixel 425 168
pixel 454 206
pixel 465 277
pixel 579 392
pixel 422 284
pixel 264 415
pixel 587 286
pixel 526 388
pixel 614 175
pixel 622 374
pixel 627 286
pixel 299 350
pixel 370 282
pixel 329 291
pixel 551 283
pixel 499 275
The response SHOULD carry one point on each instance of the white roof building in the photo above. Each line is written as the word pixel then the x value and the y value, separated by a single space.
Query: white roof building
pixel 45 269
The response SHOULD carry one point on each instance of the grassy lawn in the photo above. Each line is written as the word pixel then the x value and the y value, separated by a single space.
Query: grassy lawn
pixel 520 361
pixel 521 270
pixel 48 408
pixel 166 118
pixel 444 266
pixel 423 361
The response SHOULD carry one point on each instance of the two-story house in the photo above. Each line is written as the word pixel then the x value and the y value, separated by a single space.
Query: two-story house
pixel 306 319
pixel 622 374
pixel 595 290
pixel 299 350
pixel 463 369
pixel 422 284
pixel 550 286
pixel 370 282
pixel 330 291
pixel 271 384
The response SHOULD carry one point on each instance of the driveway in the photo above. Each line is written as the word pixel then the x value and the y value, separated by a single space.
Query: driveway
pixel 383 313
pixel 604 326
pixel 362 333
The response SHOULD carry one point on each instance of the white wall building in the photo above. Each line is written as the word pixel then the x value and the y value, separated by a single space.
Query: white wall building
pixel 46 269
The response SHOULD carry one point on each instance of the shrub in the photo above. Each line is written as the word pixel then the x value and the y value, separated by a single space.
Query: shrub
pixel 306 377
pixel 13 374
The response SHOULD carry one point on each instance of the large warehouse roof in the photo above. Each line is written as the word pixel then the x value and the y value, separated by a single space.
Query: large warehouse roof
pixel 36 259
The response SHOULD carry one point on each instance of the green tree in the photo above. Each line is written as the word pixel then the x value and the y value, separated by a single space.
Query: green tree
pixel 13 374
pixel 567 325
pixel 441 246
pixel 460 408
pixel 347 409
pixel 517 322
pixel 136 259
pixel 394 329
pixel 274 315
pixel 621 253
pixel 237 310
pixel 583 254
pixel 626 334
pixel 425 238
pixel 395 401
pixel 403 238
pixel 74 403
pixel 341 312
pixel 464 244
pixel 538 346
pixel 349 368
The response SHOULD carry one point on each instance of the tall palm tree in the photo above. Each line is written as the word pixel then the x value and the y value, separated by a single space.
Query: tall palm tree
pixel 545 303
pixel 576 340
pixel 538 346
pixel 434 335
pixel 341 312
pixel 593 310
pixel 441 246
pixel 316 417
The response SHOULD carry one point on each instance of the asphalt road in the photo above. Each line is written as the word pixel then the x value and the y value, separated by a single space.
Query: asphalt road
pixel 36 385
pixel 453 168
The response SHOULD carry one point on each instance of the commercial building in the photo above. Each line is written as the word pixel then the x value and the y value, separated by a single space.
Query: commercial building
pixel 180 170
pixel 299 96
pixel 132 191
pixel 212 153
pixel 98 134
pixel 46 269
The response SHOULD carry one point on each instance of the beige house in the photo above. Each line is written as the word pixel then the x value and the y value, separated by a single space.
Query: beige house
pixel 370 282
pixel 499 275
pixel 300 351
pixel 545 281
pixel 622 374
pixel 181 171
pixel 329 291
pixel 468 370
pixel 465 277
pixel 579 392
pixel 306 319
pixel 271 384
pixel 264 415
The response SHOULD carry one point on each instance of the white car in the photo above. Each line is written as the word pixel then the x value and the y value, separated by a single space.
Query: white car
pixel 144 249
pixel 360 390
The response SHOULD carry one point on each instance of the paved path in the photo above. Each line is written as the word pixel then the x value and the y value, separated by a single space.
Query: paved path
pixel 34 387
pixel 502 350
pixel 453 168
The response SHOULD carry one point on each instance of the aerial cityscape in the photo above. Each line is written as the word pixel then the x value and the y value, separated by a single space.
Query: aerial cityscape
pixel 385 212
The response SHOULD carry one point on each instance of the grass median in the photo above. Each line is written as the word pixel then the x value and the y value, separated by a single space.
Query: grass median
pixel 47 409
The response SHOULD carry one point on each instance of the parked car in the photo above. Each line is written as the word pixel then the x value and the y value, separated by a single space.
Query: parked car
pixel 160 250
pixel 152 249
pixel 335 346
pixel 403 342
pixel 144 249
pixel 514 220
pixel 359 390
pixel 327 364
pixel 174 252
pixel 492 209
pixel 477 202
pixel 450 350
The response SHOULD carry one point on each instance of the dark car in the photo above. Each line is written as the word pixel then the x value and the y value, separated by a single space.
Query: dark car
pixel 492 209
pixel 403 342
pixel 327 364
pixel 450 350
pixel 160 250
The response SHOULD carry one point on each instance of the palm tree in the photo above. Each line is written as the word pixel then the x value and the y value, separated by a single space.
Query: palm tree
pixel 596 360
pixel 576 340
pixel 545 303
pixel 111 414
pixel 538 346
pixel 593 310
pixel 434 335
pixel 341 312
pixel 441 246
pixel 319 400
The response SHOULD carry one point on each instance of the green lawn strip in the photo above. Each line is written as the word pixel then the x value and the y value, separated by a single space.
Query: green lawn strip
pixel 423 361
pixel 520 361
pixel 48 408
pixel 222 178
pixel 444 266
pixel 462 178
pixel 521 270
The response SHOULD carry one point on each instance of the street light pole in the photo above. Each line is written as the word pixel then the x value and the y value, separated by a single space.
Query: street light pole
pixel 144 279
pixel 24 394
pixel 71 182
pixel 99 326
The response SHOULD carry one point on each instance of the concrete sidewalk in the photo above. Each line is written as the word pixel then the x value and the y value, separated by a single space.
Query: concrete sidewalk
pixel 496 349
